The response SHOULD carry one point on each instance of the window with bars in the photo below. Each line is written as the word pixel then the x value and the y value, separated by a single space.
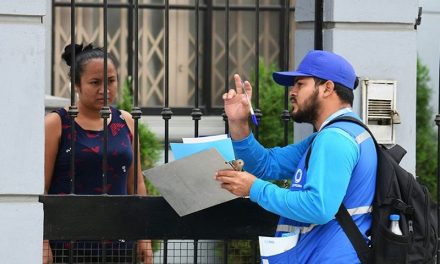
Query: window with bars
pixel 213 49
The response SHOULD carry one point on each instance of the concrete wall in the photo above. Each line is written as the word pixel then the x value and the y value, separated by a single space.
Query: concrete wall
pixel 22 71
pixel 379 41
pixel 428 46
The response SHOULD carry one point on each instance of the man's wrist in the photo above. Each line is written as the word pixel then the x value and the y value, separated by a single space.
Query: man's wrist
pixel 239 129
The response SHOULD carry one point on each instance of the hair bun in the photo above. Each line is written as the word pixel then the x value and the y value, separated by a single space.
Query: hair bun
pixel 67 54
pixel 88 47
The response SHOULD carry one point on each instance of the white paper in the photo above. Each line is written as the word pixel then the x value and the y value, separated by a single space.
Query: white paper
pixel 204 139
pixel 270 246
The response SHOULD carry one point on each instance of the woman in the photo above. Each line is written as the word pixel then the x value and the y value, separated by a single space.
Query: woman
pixel 89 85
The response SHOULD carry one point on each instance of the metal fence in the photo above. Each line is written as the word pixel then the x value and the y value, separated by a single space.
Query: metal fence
pixel 220 38
pixel 186 47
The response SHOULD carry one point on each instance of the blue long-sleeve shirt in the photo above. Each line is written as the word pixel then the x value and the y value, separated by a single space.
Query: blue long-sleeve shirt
pixel 334 156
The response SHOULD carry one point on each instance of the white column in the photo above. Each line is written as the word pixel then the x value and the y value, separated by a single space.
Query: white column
pixel 379 39
pixel 22 73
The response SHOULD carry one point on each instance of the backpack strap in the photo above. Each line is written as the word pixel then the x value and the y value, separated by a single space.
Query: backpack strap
pixel 343 216
pixel 354 234
pixel 352 120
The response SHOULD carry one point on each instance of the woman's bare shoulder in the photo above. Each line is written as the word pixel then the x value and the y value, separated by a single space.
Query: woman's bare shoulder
pixel 128 119
pixel 52 122
pixel 127 116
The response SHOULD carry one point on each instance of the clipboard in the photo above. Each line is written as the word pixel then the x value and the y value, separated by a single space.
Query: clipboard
pixel 188 184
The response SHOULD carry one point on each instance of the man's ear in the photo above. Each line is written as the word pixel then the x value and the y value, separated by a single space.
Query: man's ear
pixel 329 88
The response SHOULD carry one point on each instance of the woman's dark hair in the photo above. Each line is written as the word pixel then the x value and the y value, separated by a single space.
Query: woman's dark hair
pixel 345 94
pixel 82 56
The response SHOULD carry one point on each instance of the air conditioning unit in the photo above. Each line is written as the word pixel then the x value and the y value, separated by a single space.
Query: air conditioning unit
pixel 379 109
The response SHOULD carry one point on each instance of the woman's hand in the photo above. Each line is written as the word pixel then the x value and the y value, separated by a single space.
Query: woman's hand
pixel 145 251
pixel 47 253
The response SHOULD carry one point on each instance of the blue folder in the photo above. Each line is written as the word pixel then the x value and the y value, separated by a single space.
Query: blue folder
pixel 224 146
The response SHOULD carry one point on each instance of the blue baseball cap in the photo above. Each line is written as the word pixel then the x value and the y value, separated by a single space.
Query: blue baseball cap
pixel 321 64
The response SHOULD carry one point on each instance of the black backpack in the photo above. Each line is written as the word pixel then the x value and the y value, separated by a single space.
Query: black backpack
pixel 397 192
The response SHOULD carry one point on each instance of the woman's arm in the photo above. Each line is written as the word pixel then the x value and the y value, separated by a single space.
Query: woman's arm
pixel 52 135
pixel 141 190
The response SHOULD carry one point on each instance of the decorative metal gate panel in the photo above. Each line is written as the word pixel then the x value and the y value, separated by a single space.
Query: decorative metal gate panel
pixel 178 51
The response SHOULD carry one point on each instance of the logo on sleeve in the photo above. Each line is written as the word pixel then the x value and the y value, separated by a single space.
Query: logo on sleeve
pixel 297 179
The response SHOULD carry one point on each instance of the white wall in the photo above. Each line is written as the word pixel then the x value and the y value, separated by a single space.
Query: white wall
pixel 22 72
pixel 428 46
pixel 379 39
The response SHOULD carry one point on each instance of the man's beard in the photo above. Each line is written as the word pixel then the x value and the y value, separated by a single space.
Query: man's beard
pixel 308 113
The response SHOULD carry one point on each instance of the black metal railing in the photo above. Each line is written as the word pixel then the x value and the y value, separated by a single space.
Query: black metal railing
pixel 105 217
pixel 134 217
pixel 437 121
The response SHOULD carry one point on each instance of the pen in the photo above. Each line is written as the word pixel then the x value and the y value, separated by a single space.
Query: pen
pixel 254 118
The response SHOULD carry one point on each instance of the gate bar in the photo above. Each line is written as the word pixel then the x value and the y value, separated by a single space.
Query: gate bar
pixel 256 94
pixel 73 109
pixel 105 110
pixel 285 116
pixel 136 112
pixel 437 121
pixel 319 11
pixel 166 111
pixel 225 117
pixel 196 112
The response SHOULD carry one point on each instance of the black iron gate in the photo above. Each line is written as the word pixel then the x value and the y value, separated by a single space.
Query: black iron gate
pixel 105 217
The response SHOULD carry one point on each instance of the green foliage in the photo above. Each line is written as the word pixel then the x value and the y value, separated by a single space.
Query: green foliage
pixel 239 251
pixel 426 143
pixel 271 129
pixel 149 146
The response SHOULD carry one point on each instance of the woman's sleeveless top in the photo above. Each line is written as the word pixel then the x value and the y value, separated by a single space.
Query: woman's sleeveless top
pixel 88 158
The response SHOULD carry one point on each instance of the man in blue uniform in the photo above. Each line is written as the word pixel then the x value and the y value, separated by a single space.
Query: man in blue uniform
pixel 341 168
